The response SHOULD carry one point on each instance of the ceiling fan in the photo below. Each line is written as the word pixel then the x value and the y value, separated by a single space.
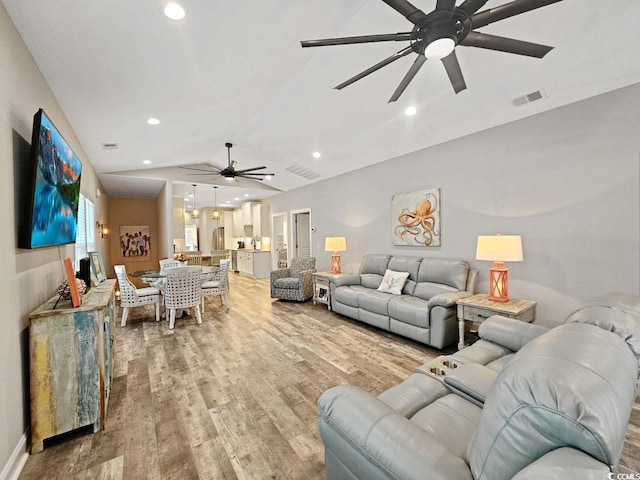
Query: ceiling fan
pixel 229 172
pixel 436 34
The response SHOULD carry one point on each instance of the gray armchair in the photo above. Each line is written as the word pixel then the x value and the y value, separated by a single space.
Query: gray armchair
pixel 295 282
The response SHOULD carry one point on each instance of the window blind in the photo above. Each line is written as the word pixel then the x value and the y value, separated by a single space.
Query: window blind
pixel 86 230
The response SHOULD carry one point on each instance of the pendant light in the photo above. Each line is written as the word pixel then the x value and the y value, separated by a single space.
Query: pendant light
pixel 195 213
pixel 216 213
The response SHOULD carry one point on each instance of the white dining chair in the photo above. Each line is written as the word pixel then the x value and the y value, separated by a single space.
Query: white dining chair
pixel 183 290
pixel 131 297
pixel 168 263
pixel 195 258
pixel 218 285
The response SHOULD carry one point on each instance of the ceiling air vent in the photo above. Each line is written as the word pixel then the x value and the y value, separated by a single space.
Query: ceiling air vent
pixel 302 172
pixel 109 146
pixel 528 98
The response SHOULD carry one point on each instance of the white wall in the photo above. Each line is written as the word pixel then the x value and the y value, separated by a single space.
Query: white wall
pixel 566 180
pixel 29 277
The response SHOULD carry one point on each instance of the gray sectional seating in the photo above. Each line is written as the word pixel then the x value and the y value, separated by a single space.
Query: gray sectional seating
pixel 524 402
pixel 426 310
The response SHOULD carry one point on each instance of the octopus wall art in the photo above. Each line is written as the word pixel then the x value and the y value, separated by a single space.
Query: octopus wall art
pixel 415 218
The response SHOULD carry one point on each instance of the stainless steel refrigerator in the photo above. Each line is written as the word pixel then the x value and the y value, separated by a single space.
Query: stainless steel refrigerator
pixel 217 239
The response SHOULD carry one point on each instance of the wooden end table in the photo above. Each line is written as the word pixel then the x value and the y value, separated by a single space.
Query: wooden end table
pixel 321 289
pixel 477 308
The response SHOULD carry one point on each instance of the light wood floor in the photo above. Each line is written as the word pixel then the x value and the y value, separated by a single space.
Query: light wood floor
pixel 235 397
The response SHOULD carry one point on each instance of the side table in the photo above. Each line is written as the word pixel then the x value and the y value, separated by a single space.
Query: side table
pixel 321 290
pixel 477 308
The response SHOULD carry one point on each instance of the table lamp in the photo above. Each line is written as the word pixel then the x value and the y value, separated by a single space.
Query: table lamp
pixel 335 245
pixel 499 249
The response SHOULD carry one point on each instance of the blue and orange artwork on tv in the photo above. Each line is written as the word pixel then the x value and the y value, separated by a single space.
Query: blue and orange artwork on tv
pixel 56 188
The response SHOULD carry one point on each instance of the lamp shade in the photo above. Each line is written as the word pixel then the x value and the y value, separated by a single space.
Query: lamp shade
pixel 335 244
pixel 505 248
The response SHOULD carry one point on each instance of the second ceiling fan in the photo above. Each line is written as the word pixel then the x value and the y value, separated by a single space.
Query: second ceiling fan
pixel 229 172
pixel 436 34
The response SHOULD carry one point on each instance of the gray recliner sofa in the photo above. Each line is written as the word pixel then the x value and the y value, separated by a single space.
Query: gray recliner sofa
pixel 426 309
pixel 523 402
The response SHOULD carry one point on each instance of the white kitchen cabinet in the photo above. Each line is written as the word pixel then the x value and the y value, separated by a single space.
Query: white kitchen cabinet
pixel 245 262
pixel 245 208
pixel 254 214
pixel 255 263
pixel 238 223
pixel 261 264
pixel 255 219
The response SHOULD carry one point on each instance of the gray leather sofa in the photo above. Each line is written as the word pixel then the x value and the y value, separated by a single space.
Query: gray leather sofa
pixel 523 402
pixel 426 310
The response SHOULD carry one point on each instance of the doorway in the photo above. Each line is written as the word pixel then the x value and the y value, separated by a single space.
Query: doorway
pixel 280 252
pixel 301 232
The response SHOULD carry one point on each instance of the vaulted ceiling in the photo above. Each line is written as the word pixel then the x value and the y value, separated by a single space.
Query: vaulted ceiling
pixel 235 72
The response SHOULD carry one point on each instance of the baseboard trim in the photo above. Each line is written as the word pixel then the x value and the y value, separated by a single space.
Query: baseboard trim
pixel 17 460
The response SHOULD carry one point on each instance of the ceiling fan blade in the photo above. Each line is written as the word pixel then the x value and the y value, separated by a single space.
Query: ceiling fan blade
pixel 408 77
pixel 503 44
pixel 454 72
pixel 410 12
pixel 199 169
pixel 445 5
pixel 250 169
pixel 507 10
pixel 377 66
pixel 257 174
pixel 472 6
pixel 385 37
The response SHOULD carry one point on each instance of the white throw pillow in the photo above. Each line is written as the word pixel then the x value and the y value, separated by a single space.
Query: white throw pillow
pixel 392 282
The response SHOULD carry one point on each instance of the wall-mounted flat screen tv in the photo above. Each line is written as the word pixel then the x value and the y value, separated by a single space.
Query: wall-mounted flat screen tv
pixel 54 190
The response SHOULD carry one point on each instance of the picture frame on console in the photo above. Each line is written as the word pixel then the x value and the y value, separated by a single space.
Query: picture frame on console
pixel 97 267
pixel 415 218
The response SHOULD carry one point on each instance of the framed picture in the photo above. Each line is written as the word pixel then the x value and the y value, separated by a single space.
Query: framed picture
pixel 97 267
pixel 76 299
pixel 322 293
pixel 415 218
pixel 135 243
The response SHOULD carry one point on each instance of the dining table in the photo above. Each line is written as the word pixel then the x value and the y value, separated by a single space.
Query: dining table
pixel 152 276
pixel 158 279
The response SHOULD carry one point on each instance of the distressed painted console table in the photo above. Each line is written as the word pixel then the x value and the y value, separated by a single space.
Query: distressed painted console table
pixel 71 364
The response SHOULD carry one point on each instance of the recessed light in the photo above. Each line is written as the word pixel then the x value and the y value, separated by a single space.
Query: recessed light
pixel 410 111
pixel 147 162
pixel 153 121
pixel 246 194
pixel 268 177
pixel 228 201
pixel 236 199
pixel 316 154
pixel 174 11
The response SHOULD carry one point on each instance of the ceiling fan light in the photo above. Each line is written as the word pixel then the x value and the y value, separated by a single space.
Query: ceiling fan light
pixel 229 179
pixel 439 48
